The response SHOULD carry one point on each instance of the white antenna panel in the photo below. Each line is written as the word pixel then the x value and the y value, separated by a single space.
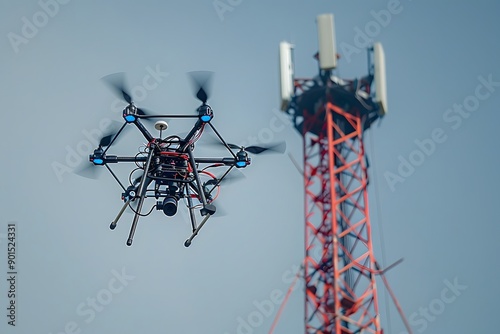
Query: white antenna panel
pixel 286 74
pixel 379 77
pixel 326 39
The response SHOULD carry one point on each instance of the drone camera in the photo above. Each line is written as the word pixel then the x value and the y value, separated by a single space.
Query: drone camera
pixel 169 205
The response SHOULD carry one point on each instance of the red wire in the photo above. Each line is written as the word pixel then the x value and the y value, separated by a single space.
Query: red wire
pixel 214 178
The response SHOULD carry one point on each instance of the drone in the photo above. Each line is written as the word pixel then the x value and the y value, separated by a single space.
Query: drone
pixel 166 168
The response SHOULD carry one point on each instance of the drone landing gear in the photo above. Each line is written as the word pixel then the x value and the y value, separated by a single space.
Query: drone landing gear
pixel 187 243
pixel 207 211
pixel 113 223
pixel 143 186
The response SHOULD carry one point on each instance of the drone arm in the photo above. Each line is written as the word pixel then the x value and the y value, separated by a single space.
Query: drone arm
pixel 199 124
pixel 222 139
pixel 219 180
pixel 115 177
pixel 114 137
pixel 166 116
pixel 225 161
pixel 115 159
pixel 143 130
pixel 111 159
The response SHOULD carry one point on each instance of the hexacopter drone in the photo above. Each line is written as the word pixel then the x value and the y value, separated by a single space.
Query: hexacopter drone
pixel 169 170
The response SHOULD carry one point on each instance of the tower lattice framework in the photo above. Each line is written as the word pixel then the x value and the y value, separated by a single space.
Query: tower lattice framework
pixel 339 266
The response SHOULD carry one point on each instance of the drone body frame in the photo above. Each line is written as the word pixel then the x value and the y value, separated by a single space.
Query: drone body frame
pixel 169 165
pixel 170 170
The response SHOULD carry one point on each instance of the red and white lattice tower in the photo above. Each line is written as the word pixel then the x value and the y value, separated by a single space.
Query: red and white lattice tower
pixel 339 266
pixel 332 115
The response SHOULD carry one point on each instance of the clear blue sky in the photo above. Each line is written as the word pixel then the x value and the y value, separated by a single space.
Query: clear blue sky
pixel 77 276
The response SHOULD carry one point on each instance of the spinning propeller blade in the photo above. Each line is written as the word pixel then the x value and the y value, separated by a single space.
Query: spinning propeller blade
pixel 280 147
pixel 88 169
pixel 201 82
pixel 118 84
pixel 108 136
pixel 231 177
pixel 276 148
pixel 106 140
pixel 145 112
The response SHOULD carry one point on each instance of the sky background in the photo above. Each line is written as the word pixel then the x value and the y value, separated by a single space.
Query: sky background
pixel 77 276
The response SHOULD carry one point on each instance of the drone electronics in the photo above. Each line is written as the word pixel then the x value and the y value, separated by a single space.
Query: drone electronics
pixel 166 169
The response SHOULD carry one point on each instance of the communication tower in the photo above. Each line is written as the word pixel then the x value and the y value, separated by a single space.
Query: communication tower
pixel 332 115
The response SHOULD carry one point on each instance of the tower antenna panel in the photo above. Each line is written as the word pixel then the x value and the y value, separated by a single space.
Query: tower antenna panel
pixel 286 74
pixel 326 39
pixel 379 77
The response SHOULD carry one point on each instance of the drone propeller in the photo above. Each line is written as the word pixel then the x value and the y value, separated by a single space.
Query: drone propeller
pixel 201 82
pixel 88 169
pixel 117 83
pixel 106 140
pixel 277 148
pixel 108 136
pixel 231 177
